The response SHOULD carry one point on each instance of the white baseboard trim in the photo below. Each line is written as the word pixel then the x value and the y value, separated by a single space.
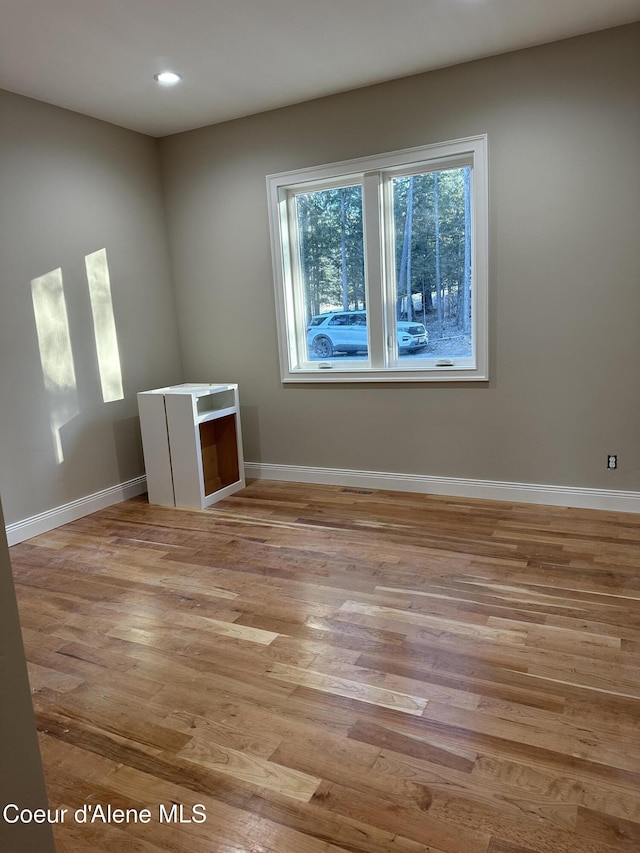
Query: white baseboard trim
pixel 21 530
pixel 569 496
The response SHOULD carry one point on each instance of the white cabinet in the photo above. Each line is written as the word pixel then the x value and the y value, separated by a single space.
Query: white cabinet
pixel 192 444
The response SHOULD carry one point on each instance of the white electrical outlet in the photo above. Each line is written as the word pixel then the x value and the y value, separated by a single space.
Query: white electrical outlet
pixel 612 461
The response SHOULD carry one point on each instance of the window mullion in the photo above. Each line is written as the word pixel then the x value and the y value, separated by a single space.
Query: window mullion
pixel 389 274
pixel 295 306
pixel 374 267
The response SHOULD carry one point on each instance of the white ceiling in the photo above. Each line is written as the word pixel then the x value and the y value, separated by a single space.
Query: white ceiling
pixel 244 56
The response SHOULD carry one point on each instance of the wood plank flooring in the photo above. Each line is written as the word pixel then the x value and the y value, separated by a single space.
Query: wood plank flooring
pixel 328 669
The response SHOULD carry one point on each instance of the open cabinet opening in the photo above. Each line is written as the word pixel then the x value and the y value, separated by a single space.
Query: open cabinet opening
pixel 219 453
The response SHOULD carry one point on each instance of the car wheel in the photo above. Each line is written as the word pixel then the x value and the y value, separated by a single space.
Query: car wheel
pixel 323 347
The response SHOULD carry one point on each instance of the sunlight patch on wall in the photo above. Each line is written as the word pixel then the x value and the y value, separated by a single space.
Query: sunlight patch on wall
pixel 56 356
pixel 104 325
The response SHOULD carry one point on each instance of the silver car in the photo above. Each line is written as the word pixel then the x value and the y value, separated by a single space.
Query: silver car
pixel 346 332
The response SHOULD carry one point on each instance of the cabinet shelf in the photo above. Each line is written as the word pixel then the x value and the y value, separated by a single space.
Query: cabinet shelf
pixel 192 444
pixel 217 398
pixel 214 414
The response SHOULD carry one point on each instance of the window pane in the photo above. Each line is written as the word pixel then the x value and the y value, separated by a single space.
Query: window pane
pixel 331 264
pixel 432 222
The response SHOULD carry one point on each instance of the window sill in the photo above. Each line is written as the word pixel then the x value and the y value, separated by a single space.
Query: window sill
pixel 452 373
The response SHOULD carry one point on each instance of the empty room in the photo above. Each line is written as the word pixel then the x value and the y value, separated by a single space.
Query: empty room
pixel 319 450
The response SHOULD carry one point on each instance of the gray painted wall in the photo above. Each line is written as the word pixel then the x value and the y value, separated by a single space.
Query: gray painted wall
pixel 69 186
pixel 21 780
pixel 564 128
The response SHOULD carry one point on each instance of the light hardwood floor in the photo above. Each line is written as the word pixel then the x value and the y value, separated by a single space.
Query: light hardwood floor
pixel 328 669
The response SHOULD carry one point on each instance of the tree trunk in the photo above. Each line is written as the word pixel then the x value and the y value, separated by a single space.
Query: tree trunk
pixel 466 288
pixel 439 294
pixel 343 253
pixel 404 284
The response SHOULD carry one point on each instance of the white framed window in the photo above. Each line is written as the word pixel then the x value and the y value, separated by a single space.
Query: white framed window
pixel 381 266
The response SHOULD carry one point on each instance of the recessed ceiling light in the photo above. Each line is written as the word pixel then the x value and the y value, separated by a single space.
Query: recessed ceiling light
pixel 168 78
